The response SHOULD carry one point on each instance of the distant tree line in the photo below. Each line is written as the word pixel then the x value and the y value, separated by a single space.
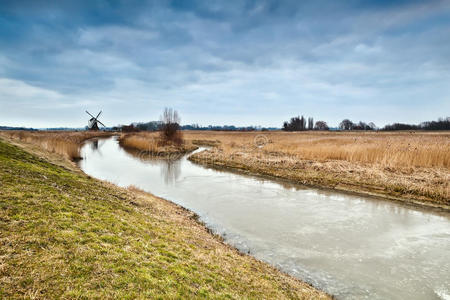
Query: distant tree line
pixel 156 126
pixel 149 126
pixel 17 128
pixel 135 127
pixel 227 128
pixel 301 123
pixel 440 124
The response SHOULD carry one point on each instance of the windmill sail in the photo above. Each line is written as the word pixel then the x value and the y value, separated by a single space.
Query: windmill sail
pixel 93 121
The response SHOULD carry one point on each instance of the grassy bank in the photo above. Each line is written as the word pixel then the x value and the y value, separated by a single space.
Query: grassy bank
pixel 66 235
pixel 405 166
pixel 151 143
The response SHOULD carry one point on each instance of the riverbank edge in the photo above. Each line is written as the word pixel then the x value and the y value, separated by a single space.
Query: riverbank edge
pixel 287 281
pixel 356 189
pixel 163 154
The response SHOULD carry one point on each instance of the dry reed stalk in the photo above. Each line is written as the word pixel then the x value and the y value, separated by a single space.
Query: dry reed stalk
pixel 141 141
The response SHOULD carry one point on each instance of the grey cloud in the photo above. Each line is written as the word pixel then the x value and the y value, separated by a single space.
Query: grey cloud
pixel 233 61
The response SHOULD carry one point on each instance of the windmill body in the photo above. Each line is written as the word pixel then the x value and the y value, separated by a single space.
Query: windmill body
pixel 94 121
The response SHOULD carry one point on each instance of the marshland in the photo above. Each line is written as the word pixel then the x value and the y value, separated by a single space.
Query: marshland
pixel 411 166
pixel 239 183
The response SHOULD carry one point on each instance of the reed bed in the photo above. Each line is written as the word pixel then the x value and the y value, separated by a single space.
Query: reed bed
pixel 151 142
pixel 141 141
pixel 393 150
pixel 66 143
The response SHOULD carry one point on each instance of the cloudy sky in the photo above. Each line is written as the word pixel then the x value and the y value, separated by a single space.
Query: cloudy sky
pixel 223 62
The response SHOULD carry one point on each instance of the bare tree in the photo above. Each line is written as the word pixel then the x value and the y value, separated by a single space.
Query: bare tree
pixel 170 127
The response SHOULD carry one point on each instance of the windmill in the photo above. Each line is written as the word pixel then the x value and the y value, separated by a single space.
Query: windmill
pixel 92 124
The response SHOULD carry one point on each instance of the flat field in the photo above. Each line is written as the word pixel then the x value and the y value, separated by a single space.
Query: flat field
pixel 407 166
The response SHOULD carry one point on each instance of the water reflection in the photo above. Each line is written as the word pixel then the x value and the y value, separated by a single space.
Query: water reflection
pixel 170 171
pixel 94 145
pixel 169 164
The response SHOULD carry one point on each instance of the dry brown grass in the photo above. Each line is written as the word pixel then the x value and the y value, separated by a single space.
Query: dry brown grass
pixel 409 165
pixel 398 149
pixel 66 143
pixel 151 142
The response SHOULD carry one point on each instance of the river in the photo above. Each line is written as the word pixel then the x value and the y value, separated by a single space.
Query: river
pixel 351 246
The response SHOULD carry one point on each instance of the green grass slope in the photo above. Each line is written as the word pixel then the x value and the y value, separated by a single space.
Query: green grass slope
pixel 65 235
